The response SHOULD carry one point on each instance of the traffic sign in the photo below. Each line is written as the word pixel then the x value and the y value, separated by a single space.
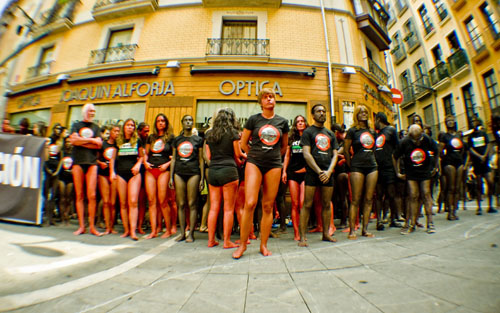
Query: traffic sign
pixel 397 96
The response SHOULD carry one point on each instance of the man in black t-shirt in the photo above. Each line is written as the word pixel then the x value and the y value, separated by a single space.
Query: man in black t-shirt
pixel 416 149
pixel 320 152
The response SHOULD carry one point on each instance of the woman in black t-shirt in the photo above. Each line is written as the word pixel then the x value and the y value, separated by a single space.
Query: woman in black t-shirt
pixel 268 134
pixel 452 152
pixel 364 173
pixel 66 181
pixel 157 161
pixel 52 169
pixel 187 171
pixel 125 167
pixel 294 171
pixel 224 149
pixel 86 140
pixel 107 187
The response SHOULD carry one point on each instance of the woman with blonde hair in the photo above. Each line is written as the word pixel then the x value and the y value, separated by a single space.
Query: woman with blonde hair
pixel 364 174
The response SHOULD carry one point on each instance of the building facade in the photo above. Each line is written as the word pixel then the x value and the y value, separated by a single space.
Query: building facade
pixel 139 58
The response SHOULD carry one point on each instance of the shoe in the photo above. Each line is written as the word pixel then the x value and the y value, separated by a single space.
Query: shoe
pixel 431 229
pixel 420 225
pixel 479 212
pixel 380 226
pixel 492 211
pixel 395 224
pixel 407 230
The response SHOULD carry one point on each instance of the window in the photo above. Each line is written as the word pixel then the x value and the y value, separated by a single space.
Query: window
pixel 118 47
pixel 440 9
pixel 44 61
pixel 437 54
pixel 453 42
pixel 420 70
pixel 429 119
pixel 491 20
pixel 470 104
pixel 107 114
pixel 405 79
pixel 449 107
pixel 239 37
pixel 492 90
pixel 348 108
pixel 401 5
pixel 426 19
pixel 474 33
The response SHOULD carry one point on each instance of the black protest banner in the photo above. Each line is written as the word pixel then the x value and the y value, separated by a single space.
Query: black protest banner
pixel 21 163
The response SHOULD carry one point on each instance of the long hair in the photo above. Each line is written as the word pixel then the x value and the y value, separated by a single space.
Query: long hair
pixel 357 109
pixel 294 132
pixel 167 135
pixel 121 138
pixel 421 122
pixel 263 92
pixel 455 126
pixel 225 122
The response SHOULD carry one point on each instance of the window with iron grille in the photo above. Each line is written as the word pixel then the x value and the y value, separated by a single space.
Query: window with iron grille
pixel 470 104
pixel 492 90
pixel 491 20
pixel 449 107
pixel 474 33
pixel 426 19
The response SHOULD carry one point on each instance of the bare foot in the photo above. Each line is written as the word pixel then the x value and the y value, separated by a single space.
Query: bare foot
pixel 252 236
pixel 190 238
pixel 80 231
pixel 124 235
pixel 173 230
pixel 94 232
pixel 107 232
pixel 239 242
pixel 159 229
pixel 346 230
pixel 152 235
pixel 329 238
pixel 368 235
pixel 303 243
pixel 352 237
pixel 141 231
pixel 180 238
pixel 264 251
pixel 316 230
pixel 296 237
pixel 211 244
pixel 332 230
pixel 230 245
pixel 114 231
pixel 239 252
pixel 166 235
pixel 134 236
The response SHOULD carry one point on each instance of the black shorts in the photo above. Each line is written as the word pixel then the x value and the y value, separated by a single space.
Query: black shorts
pixel 186 177
pixel 103 172
pixel 481 168
pixel 418 177
pixel 298 177
pixel 219 176
pixel 363 170
pixel 312 179
pixel 85 167
pixel 66 177
pixel 387 176
pixel 264 169
pixel 455 163
pixel 126 175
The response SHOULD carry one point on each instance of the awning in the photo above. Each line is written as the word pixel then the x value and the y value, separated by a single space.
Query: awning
pixel 308 71
pixel 135 72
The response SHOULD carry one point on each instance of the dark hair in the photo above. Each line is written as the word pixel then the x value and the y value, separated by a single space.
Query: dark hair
pixel 336 127
pixel 225 122
pixel 317 105
pixel 382 117
pixel 294 132
pixel 495 122
pixel 455 126
pixel 413 120
pixel 167 135
pixel 42 128
pixel 141 126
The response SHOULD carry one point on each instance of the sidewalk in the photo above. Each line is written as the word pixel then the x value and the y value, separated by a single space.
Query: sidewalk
pixel 457 269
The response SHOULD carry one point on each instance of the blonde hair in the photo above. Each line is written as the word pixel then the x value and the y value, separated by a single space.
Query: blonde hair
pixel 265 91
pixel 121 138
pixel 357 109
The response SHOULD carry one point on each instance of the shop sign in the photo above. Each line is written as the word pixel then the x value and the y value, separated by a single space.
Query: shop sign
pixel 28 101
pixel 228 87
pixel 124 90
pixel 375 94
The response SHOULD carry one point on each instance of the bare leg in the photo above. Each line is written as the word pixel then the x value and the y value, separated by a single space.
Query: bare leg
pixel 78 180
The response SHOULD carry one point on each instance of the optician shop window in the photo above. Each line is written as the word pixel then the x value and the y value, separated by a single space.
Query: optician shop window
pixel 109 114
pixel 33 116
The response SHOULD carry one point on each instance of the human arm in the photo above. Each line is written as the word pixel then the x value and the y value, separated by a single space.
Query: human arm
pixel 172 169
pixel 202 169
pixel 245 137
pixel 285 165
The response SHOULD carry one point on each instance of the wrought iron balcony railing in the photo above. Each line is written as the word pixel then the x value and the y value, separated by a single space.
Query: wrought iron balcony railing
pixel 399 53
pixel 401 5
pixel 39 70
pixel 457 60
pixel 494 30
pixel 439 73
pixel 412 41
pixel 477 43
pixel 237 46
pixel 113 54
pixel 408 95
pixel 377 71
pixel 422 84
pixel 103 3
pixel 441 12
pixel 428 28
pixel 59 11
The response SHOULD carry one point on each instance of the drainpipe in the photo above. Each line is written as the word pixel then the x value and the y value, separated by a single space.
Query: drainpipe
pixel 330 82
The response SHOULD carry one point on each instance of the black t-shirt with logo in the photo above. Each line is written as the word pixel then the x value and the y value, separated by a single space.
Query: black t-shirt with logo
pixel 160 150
pixel 417 159
pixel 82 155
pixel 454 148
pixel 222 153
pixel 297 161
pixel 55 154
pixel 265 140
pixel 106 153
pixel 322 142
pixel 363 146
pixel 66 166
pixel 126 156
pixel 187 156
pixel 478 141
pixel 386 144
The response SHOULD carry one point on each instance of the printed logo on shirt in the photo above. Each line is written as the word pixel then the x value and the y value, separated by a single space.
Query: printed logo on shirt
pixel 158 146
pixel 322 142
pixel 367 140
pixel 127 149
pixel 108 153
pixel 53 150
pixel 269 135
pixel 380 142
pixel 478 142
pixel 417 156
pixel 456 143
pixel 67 163
pixel 185 149
pixel 296 147
pixel 86 132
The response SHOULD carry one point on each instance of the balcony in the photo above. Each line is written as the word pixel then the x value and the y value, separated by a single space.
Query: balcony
pixel 439 75
pixel 57 19
pixel 428 29
pixel 412 41
pixel 401 6
pixel 379 73
pixel 422 87
pixel 399 54
pixel 477 49
pixel 108 9
pixel 408 96
pixel 372 21
pixel 442 13
pixel 494 31
pixel 237 46
pixel 114 54
pixel 39 70
pixel 242 3
pixel 458 63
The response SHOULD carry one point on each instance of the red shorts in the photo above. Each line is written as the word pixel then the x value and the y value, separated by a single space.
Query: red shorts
pixel 156 172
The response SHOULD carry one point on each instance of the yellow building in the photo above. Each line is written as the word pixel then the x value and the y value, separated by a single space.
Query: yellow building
pixel 138 58
pixel 432 64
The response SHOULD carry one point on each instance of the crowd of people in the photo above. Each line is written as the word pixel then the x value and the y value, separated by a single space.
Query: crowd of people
pixel 363 173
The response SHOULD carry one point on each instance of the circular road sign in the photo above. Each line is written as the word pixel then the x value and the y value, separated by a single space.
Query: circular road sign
pixel 397 96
